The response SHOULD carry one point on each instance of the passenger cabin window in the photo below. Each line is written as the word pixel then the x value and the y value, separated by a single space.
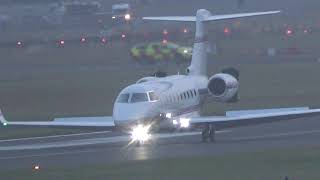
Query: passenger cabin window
pixel 139 97
pixel 123 98
pixel 191 94
pixel 153 96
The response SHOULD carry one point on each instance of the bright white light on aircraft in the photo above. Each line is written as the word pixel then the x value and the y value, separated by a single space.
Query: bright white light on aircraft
pixel 5 124
pixel 113 17
pixel 123 36
pixel 62 42
pixel 140 133
pixel 19 43
pixel 168 115
pixel 36 167
pixel 174 122
pixel 185 51
pixel 184 123
pixel 127 17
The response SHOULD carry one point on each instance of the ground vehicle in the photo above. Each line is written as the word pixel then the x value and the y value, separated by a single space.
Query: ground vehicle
pixel 121 12
pixel 158 51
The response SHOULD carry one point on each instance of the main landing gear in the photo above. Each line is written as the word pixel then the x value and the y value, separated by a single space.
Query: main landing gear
pixel 208 132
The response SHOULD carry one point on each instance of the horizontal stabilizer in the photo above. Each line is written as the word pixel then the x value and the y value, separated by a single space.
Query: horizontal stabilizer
pixel 232 16
pixel 209 18
pixel 172 18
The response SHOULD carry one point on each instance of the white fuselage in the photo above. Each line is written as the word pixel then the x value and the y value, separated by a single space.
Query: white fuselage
pixel 172 97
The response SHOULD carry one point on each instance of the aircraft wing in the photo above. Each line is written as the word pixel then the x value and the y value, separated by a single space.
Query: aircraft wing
pixel 103 122
pixel 250 117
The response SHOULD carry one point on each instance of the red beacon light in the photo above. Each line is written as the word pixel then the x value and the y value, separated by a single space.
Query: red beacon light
pixel 226 31
pixel 164 41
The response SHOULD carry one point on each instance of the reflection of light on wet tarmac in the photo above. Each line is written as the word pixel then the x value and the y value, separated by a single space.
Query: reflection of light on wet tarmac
pixel 142 153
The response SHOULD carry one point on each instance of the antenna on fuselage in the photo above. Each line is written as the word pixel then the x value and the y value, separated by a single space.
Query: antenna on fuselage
pixel 198 66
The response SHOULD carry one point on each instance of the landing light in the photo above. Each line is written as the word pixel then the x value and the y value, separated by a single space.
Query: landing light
pixel 4 124
pixel 184 123
pixel 174 122
pixel 185 51
pixel 36 167
pixel 168 115
pixel 140 133
pixel 127 17
pixel 113 17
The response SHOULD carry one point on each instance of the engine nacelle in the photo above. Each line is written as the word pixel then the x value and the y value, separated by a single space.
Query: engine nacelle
pixel 223 87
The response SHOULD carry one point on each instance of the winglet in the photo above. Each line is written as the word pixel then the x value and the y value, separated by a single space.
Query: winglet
pixel 3 121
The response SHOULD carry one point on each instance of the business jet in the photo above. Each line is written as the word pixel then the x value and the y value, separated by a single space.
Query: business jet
pixel 174 102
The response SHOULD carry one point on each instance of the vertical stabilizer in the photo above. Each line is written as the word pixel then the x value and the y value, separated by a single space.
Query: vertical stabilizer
pixel 198 65
pixel 199 52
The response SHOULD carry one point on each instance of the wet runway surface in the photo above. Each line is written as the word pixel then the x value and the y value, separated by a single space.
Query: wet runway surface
pixel 108 147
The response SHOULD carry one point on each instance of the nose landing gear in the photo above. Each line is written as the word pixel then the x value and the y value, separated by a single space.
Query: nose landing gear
pixel 208 132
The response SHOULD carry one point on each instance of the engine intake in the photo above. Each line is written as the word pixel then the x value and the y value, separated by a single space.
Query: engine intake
pixel 223 87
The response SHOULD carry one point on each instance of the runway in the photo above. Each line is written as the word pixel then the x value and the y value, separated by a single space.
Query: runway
pixel 108 147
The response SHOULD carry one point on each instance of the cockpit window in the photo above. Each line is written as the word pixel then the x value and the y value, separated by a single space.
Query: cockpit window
pixel 153 96
pixel 139 97
pixel 123 98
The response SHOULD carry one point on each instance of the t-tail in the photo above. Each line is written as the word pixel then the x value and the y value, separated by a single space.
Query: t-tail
pixel 198 65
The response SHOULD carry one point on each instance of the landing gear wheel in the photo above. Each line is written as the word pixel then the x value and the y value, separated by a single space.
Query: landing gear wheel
pixel 137 144
pixel 208 132
pixel 205 133
pixel 212 133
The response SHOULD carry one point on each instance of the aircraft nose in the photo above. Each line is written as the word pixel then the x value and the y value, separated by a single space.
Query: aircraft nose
pixel 128 113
